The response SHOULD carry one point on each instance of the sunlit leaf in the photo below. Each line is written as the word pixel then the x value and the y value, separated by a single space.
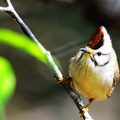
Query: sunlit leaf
pixel 7 81
pixel 22 42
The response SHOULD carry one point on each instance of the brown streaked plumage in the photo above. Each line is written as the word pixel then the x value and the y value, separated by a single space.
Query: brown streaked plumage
pixel 116 77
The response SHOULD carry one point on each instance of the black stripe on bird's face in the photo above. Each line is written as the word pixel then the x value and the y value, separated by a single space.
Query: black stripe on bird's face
pixel 96 63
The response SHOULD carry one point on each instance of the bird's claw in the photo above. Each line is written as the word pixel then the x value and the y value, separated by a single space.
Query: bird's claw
pixel 64 80
pixel 86 108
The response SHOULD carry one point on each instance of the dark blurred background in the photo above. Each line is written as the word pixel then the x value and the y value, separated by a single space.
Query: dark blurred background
pixel 62 27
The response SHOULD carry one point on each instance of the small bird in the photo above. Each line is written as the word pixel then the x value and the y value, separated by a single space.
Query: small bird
pixel 94 70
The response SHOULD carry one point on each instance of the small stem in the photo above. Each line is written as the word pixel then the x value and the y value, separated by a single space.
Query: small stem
pixel 53 66
pixel 10 9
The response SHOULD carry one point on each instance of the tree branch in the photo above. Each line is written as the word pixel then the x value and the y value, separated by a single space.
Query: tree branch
pixel 57 74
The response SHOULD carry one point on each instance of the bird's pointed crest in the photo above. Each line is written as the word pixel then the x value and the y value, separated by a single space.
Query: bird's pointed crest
pixel 97 39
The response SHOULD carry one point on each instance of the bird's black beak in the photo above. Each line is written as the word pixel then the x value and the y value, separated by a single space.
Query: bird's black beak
pixel 84 50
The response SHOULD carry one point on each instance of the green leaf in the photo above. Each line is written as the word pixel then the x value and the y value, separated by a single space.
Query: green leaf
pixel 23 43
pixel 7 85
pixel 7 81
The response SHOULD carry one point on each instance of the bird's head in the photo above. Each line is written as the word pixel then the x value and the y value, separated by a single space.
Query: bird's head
pixel 99 47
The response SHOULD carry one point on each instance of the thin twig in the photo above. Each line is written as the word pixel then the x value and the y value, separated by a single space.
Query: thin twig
pixel 57 74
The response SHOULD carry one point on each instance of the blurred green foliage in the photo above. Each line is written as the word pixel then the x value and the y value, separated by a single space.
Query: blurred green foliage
pixel 7 77
pixel 23 43
pixel 7 84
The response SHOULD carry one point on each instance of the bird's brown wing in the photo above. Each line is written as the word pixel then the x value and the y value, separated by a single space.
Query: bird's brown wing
pixel 116 78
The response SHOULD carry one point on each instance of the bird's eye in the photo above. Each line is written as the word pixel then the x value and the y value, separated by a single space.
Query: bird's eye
pixel 99 53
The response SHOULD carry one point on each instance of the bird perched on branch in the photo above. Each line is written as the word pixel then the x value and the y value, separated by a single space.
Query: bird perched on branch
pixel 94 70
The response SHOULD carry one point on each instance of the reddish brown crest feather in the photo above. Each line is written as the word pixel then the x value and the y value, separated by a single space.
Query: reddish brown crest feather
pixel 96 40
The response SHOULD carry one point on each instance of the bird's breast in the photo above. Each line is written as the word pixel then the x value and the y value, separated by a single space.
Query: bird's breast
pixel 92 82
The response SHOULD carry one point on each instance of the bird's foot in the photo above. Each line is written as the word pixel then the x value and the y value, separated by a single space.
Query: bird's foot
pixel 65 80
pixel 86 108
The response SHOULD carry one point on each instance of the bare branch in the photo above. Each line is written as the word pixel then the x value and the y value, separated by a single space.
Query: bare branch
pixel 57 74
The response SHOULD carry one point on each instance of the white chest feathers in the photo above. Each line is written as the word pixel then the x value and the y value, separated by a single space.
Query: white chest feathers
pixel 93 80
